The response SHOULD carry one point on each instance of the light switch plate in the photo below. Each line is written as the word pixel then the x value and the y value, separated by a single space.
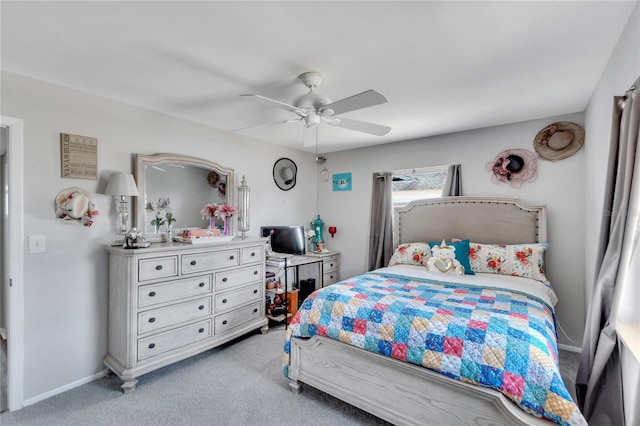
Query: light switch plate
pixel 37 244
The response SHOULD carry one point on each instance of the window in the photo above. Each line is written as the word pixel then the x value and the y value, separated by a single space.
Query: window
pixel 417 184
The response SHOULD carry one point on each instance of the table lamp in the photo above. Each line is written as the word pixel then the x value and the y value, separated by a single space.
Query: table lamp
pixel 122 185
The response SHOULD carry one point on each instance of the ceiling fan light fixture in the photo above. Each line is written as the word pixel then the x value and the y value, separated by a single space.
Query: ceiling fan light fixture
pixel 312 120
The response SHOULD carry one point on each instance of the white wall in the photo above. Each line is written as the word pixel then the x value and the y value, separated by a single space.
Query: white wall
pixel 559 185
pixel 66 287
pixel 622 70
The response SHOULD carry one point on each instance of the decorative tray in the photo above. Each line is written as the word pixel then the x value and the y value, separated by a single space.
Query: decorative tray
pixel 203 240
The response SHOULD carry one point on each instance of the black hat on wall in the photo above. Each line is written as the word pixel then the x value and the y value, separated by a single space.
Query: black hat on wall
pixel 284 173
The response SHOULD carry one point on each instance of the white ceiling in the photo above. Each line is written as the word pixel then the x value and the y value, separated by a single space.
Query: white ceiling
pixel 444 66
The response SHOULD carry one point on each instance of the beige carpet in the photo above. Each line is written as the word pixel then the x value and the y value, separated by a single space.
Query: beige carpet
pixel 237 384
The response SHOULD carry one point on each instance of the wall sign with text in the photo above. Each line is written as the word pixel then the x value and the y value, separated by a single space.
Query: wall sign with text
pixel 79 156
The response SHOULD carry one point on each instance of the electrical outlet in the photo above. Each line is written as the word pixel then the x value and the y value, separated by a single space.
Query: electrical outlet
pixel 37 244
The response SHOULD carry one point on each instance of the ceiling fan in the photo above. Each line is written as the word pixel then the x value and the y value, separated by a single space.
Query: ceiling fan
pixel 313 109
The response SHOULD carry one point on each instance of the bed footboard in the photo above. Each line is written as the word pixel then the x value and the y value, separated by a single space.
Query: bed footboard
pixel 399 392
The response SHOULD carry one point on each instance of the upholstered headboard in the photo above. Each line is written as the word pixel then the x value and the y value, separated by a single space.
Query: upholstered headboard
pixel 479 219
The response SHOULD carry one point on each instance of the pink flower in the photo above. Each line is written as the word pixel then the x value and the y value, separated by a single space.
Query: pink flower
pixel 209 210
pixel 224 211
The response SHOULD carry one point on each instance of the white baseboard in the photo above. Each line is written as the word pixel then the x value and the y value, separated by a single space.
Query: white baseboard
pixel 64 388
pixel 569 348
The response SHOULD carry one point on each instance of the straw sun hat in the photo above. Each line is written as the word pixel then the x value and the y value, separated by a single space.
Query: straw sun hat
pixel 559 140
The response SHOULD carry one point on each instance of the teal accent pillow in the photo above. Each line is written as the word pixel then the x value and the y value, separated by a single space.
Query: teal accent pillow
pixel 462 253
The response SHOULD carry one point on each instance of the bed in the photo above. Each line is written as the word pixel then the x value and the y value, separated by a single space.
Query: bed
pixel 358 341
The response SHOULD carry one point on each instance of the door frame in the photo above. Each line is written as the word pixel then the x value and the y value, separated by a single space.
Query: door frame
pixel 15 233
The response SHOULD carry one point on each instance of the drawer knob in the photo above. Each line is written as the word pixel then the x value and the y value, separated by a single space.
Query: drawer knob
pixel 224 322
pixel 201 285
pixel 253 253
pixel 158 267
pixel 201 307
pixel 152 293
pixel 224 300
pixel 255 272
pixel 331 276
pixel 193 263
pixel 201 330
pixel 152 345
pixel 255 291
pixel 255 310
pixel 152 319
pixel 232 257
pixel 224 280
pixel 332 265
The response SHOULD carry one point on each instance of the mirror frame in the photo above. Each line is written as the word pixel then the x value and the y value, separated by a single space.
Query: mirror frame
pixel 143 160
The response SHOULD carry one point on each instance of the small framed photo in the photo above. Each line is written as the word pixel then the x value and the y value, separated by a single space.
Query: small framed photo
pixel 342 182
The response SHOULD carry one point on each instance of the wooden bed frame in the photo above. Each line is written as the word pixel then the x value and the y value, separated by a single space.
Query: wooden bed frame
pixel 407 394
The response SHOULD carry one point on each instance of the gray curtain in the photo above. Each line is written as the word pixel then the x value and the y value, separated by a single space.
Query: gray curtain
pixel 599 379
pixel 452 184
pixel 381 231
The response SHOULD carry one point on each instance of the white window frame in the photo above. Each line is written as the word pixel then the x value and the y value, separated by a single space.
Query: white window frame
pixel 402 198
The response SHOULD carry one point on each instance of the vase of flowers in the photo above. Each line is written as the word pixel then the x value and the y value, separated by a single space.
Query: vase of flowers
pixel 224 212
pixel 310 233
pixel 156 209
pixel 208 212
pixel 170 220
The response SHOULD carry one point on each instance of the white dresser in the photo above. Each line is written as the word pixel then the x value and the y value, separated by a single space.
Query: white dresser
pixel 171 301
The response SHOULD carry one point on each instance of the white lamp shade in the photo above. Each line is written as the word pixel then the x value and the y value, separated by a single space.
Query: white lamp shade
pixel 121 184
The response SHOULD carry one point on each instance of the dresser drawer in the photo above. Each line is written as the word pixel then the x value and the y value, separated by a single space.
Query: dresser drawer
pixel 330 264
pixel 152 294
pixel 175 314
pixel 163 342
pixel 330 278
pixel 238 317
pixel 158 267
pixel 227 279
pixel 252 254
pixel 231 299
pixel 212 260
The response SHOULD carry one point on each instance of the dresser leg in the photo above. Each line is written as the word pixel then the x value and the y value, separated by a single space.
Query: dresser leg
pixel 264 329
pixel 128 387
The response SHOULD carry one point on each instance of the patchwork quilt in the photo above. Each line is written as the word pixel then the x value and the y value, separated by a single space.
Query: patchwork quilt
pixel 485 336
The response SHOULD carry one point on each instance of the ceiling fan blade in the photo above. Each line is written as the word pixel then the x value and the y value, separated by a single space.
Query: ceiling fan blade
pixel 361 126
pixel 359 101
pixel 258 126
pixel 301 112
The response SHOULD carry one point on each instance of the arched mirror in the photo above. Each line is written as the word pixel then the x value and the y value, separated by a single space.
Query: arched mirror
pixel 186 183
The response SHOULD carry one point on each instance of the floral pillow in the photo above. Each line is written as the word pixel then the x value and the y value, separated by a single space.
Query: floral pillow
pixel 520 260
pixel 411 254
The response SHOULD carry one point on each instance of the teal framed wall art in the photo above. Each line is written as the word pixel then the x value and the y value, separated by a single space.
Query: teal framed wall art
pixel 342 182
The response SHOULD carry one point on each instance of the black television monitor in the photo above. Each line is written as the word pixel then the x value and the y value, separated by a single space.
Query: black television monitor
pixel 286 239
